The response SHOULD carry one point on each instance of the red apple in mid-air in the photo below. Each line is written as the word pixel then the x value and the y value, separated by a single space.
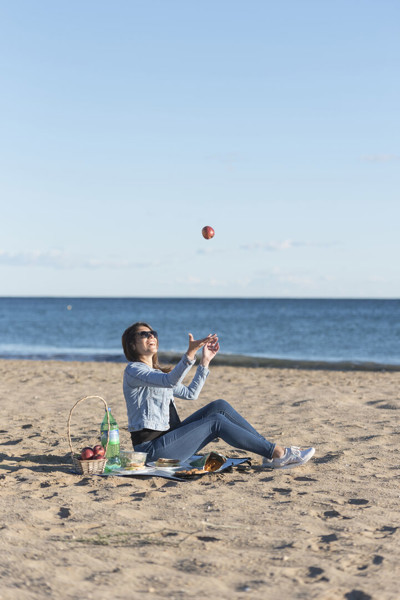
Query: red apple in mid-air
pixel 208 232
pixel 87 454
pixel 99 450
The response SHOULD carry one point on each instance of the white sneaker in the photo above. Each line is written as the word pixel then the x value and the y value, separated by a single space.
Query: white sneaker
pixel 293 457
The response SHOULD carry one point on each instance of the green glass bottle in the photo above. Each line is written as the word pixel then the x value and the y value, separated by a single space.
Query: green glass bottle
pixel 113 445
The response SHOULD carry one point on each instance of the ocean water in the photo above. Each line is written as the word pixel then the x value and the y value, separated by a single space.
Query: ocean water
pixel 355 332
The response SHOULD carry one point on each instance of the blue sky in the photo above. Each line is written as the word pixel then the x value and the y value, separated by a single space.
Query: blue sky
pixel 127 126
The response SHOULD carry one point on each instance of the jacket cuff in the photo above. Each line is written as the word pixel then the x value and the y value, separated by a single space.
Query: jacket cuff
pixel 187 360
pixel 203 370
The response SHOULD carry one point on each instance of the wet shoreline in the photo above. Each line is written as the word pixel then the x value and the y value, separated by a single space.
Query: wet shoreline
pixel 232 360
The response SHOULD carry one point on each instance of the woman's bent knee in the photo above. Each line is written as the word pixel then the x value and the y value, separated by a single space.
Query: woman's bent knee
pixel 219 406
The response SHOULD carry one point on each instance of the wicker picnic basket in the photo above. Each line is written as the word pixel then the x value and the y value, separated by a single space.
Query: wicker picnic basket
pixel 88 467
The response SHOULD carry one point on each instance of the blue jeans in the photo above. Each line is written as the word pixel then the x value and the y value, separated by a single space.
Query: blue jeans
pixel 217 419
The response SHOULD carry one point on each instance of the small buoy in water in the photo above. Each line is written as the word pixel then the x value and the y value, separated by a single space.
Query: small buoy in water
pixel 69 307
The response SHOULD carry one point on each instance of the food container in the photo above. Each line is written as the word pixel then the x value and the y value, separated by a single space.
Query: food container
pixel 167 462
pixel 131 460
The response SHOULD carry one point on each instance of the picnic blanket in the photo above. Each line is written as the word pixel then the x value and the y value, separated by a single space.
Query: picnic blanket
pixel 151 470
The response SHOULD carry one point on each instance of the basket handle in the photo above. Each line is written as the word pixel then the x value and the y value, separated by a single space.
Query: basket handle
pixel 70 415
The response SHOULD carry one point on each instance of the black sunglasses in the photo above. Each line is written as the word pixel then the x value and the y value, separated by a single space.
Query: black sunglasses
pixel 147 334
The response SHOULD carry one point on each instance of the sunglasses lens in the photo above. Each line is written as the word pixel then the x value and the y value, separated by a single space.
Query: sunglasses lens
pixel 147 334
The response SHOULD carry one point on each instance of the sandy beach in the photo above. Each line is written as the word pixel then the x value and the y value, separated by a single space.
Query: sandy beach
pixel 329 530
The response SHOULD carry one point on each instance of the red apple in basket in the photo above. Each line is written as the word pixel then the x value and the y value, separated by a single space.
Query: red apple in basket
pixel 208 232
pixel 99 451
pixel 87 453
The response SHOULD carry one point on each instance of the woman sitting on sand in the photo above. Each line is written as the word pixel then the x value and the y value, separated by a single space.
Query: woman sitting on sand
pixel 153 421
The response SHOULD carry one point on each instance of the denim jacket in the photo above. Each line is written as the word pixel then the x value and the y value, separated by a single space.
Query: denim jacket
pixel 148 392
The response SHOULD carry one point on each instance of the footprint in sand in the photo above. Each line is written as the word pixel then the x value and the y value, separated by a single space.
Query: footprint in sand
pixel 387 530
pixel 195 565
pixel 139 496
pixel 284 546
pixel 323 542
pixel 329 457
pixel 283 491
pixel 11 442
pixel 384 404
pixel 358 501
pixel 331 514
pixel 357 595
pixel 363 438
pixel 314 572
pixel 299 402
pixel 84 481
pixel 327 539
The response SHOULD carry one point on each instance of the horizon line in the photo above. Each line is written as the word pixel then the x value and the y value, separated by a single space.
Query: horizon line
pixel 101 297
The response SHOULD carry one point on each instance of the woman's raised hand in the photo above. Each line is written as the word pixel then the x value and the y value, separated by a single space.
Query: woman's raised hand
pixel 209 351
pixel 195 345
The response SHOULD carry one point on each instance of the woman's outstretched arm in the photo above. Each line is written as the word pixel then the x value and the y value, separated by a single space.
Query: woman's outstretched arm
pixel 141 374
pixel 192 391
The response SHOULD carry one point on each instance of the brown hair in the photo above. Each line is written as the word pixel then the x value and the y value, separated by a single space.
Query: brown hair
pixel 128 338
